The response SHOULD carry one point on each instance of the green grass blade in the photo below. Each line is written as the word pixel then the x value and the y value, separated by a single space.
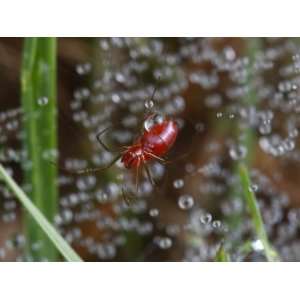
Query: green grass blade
pixel 68 253
pixel 255 214
pixel 38 85
pixel 222 255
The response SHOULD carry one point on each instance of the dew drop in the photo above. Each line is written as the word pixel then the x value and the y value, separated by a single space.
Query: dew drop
pixel 229 53
pixel 42 101
pixel 257 245
pixel 265 128
pixel 116 98
pixel 293 133
pixel 149 104
pixel 83 69
pixel 178 183
pixel 154 212
pixel 206 218
pixel 164 242
pixel 237 152
pixel 185 202
pixel 216 224
pixel 289 144
pixel 253 188
pixel 153 120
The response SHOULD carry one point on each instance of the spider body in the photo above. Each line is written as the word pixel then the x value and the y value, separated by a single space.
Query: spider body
pixel 152 144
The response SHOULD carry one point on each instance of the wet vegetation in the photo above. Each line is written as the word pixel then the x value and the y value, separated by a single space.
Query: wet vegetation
pixel 228 189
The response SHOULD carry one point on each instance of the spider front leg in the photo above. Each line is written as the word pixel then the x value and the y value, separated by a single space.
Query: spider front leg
pixel 87 170
pixel 150 178
pixel 98 137
pixel 128 198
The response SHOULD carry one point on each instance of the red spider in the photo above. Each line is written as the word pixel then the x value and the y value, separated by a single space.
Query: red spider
pixel 156 139
pixel 153 143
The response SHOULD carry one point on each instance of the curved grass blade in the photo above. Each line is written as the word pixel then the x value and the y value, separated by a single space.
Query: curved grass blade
pixel 222 255
pixel 255 214
pixel 68 253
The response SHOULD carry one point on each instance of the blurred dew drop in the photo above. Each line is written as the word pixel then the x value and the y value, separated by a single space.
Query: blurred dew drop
pixel 253 188
pixel 154 212
pixel 153 120
pixel 83 69
pixel 216 224
pixel 257 245
pixel 149 104
pixel 238 152
pixel 42 101
pixel 178 183
pixel 206 218
pixel 185 202
pixel 163 242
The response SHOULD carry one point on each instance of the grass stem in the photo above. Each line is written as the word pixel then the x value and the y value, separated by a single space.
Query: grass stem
pixel 222 255
pixel 38 87
pixel 255 214
pixel 68 253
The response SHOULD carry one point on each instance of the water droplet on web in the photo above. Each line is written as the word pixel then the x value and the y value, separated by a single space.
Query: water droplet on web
pixel 293 133
pixel 285 86
pixel 265 128
pixel 229 53
pixel 288 144
pixel 42 101
pixel 257 245
pixel 153 120
pixel 216 224
pixel 153 212
pixel 206 218
pixel 116 98
pixel 253 188
pixel 185 202
pixel 149 104
pixel 85 183
pixel 83 69
pixel 238 152
pixel 163 242
pixel 178 183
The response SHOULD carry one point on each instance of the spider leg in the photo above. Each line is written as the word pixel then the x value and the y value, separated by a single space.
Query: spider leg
pixel 98 137
pixel 127 197
pixel 181 157
pixel 155 156
pixel 137 175
pixel 166 161
pixel 150 178
pixel 88 170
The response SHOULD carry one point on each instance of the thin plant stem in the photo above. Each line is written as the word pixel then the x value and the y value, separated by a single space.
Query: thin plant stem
pixel 54 237
pixel 38 87
pixel 222 255
pixel 255 214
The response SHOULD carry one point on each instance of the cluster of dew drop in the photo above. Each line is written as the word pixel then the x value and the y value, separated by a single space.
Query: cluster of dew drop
pixel 93 216
pixel 274 119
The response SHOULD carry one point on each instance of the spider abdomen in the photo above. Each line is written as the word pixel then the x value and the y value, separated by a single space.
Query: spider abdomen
pixel 160 138
pixel 152 143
